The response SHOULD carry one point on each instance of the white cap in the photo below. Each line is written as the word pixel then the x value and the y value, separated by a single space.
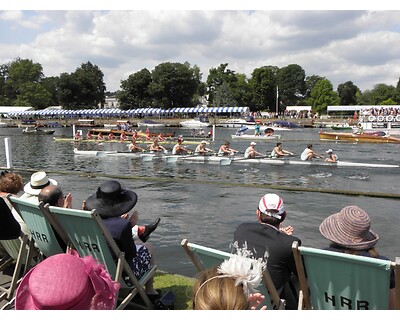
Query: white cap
pixel 272 201
pixel 204 142
pixel 329 151
pixel 253 143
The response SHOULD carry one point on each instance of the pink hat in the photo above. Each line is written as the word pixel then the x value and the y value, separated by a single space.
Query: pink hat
pixel 272 205
pixel 67 282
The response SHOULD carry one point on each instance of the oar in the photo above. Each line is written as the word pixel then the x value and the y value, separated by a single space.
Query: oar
pixel 147 157
pixel 175 158
pixel 228 161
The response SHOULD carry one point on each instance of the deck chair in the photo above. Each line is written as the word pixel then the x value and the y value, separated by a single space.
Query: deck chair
pixel 337 281
pixel 205 257
pixel 89 236
pixel 40 227
pixel 20 252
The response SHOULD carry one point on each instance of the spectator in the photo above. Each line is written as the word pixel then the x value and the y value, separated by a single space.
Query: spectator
pixel 111 201
pixel 230 286
pixel 350 232
pixel 38 181
pixel 67 282
pixel 269 239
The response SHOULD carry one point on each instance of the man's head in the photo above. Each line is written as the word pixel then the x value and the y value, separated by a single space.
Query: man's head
pixel 309 146
pixel 52 195
pixel 271 209
pixel 278 144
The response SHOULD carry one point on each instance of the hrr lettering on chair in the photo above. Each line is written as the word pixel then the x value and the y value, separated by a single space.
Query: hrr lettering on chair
pixel 346 303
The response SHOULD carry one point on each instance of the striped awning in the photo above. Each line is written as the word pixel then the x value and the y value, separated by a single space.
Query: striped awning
pixel 118 112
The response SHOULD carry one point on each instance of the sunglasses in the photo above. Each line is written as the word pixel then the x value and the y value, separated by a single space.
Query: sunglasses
pixel 4 172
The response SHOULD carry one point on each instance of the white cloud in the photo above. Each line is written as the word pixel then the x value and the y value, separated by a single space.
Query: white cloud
pixel 345 45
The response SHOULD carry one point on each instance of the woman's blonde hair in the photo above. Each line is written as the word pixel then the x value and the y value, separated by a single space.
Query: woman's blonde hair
pixel 212 291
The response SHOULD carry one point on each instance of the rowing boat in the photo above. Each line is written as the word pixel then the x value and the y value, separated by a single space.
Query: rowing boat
pixel 166 141
pixel 354 137
pixel 214 159
pixel 275 161
pixel 254 137
pixel 37 132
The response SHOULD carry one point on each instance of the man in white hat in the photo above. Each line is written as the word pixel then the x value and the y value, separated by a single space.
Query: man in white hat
pixel 251 152
pixel 269 240
pixel 202 149
pixel 38 181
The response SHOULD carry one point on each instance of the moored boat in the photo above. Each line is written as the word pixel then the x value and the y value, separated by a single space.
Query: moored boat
pixel 150 124
pixel 254 137
pixel 37 132
pixel 375 137
pixel 196 123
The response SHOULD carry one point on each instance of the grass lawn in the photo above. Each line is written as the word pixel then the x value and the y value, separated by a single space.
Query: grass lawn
pixel 181 286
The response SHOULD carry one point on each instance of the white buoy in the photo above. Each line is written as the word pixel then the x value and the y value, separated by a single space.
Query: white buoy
pixel 73 131
pixel 7 144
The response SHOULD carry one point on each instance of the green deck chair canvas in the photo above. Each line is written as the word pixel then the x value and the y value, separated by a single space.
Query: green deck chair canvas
pixel 40 228
pixel 337 281
pixel 88 236
pixel 205 257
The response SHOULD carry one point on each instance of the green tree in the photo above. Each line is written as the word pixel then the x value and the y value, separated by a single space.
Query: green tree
pixel 291 82
pixel 322 95
pixel 241 91
pixel 347 93
pixel 51 85
pixel 33 94
pixel 378 94
pixel 134 91
pixel 173 85
pixel 216 77
pixel 223 96
pixel 83 88
pixel 263 88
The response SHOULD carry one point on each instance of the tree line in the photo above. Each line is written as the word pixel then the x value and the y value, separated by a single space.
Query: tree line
pixel 22 83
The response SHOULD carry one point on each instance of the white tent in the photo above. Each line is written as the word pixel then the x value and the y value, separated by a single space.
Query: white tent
pixel 298 108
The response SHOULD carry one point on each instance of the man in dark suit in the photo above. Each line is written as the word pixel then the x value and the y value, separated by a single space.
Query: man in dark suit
pixel 269 240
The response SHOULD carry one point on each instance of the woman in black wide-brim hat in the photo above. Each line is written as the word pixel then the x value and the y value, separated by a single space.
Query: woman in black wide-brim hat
pixel 350 232
pixel 113 203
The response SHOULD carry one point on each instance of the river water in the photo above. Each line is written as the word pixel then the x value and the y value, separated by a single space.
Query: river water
pixel 205 202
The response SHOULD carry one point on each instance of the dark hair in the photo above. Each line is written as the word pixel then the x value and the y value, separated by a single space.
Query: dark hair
pixel 264 218
pixel 309 146
pixel 278 144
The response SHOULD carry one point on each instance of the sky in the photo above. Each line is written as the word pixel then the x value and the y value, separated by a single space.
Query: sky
pixel 358 44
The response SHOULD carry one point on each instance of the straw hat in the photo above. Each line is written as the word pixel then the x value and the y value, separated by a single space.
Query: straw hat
pixel 350 228
pixel 67 282
pixel 38 181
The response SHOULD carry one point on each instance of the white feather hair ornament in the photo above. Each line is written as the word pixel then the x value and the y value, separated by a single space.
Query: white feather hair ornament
pixel 246 270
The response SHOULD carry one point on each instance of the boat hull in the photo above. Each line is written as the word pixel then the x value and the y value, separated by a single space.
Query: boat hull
pixel 39 132
pixel 353 137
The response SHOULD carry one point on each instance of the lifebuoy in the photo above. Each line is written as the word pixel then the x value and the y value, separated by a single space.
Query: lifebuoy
pixel 371 118
pixel 398 118
pixel 380 118
pixel 389 118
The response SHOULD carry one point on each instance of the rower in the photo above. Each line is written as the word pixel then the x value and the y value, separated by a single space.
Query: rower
pixel 100 136
pixel 202 149
pixel 89 135
pixel 133 147
pixel 111 136
pixel 179 149
pixel 155 147
pixel 122 137
pixel 309 154
pixel 224 150
pixel 278 152
pixel 331 156
pixel 251 152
